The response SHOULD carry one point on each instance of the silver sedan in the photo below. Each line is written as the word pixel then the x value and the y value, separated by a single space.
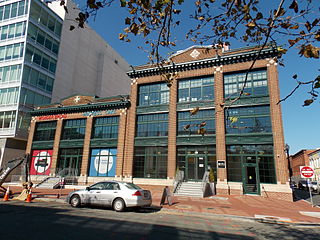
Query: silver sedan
pixel 115 194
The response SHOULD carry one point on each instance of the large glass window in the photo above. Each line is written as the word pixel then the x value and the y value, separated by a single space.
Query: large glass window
pixel 10 74
pixel 40 15
pixel 33 55
pixel 150 162
pixel 69 161
pixel 192 124
pixel 7 120
pixel 73 129
pixel 45 131
pixel 103 162
pixel 13 10
pixel 105 127
pixel 196 89
pixel 12 51
pixel 248 120
pixel 153 94
pixel 261 155
pixel 9 96
pixel 37 79
pixel 152 125
pixel 42 38
pixel 30 98
pixel 256 85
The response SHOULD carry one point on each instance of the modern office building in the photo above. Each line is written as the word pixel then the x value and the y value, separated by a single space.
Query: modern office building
pixel 184 117
pixel 42 61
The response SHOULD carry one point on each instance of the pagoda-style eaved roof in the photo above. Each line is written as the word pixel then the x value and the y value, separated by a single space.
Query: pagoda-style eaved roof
pixel 80 103
pixel 197 57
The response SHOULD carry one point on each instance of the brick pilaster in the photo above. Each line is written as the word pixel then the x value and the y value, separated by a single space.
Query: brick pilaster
pixel 172 131
pixel 32 129
pixel 86 147
pixel 56 146
pixel 122 130
pixel 276 121
pixel 131 129
pixel 220 122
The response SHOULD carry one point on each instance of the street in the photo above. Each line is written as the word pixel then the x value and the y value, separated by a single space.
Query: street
pixel 305 195
pixel 43 220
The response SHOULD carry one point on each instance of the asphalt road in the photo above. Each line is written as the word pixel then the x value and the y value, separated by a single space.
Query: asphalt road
pixel 46 221
pixel 305 195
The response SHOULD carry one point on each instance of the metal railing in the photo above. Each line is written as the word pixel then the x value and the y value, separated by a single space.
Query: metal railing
pixel 68 174
pixel 178 179
pixel 205 180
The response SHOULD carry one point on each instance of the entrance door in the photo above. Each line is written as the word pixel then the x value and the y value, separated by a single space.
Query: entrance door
pixel 251 183
pixel 195 167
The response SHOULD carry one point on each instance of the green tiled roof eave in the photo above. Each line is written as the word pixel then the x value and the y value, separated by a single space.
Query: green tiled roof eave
pixel 80 108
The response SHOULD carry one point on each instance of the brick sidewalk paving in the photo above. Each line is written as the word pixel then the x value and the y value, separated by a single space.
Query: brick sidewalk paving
pixel 241 206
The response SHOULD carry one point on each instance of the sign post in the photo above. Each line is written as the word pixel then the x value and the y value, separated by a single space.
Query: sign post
pixel 307 172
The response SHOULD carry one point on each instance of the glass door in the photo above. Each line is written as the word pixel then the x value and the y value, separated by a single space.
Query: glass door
pixel 195 167
pixel 251 183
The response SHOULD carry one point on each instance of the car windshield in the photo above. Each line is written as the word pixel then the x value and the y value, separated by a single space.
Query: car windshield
pixel 131 186
pixel 315 183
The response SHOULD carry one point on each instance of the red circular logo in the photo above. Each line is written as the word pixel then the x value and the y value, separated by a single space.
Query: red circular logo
pixel 307 172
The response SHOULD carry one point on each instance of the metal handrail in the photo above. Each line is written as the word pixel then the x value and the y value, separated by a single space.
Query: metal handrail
pixel 178 179
pixel 205 180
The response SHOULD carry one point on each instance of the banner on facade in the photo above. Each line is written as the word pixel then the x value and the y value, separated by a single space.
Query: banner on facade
pixel 41 162
pixel 103 162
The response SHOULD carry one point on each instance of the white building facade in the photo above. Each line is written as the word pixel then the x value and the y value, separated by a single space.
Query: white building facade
pixel 42 61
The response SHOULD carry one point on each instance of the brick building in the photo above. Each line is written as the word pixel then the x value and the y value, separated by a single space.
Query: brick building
pixel 301 158
pixel 187 116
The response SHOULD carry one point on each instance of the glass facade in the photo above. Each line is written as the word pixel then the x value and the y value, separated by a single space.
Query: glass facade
pixel 256 85
pixel 11 52
pixel 190 124
pixel 7 120
pixel 105 127
pixel 12 31
pixel 150 162
pixel 30 98
pixel 152 125
pixel 35 56
pixel 196 89
pixel 153 94
pixel 243 120
pixel 37 79
pixel 70 159
pixel 260 156
pixel 9 96
pixel 10 74
pixel 73 129
pixel 13 10
pixel 45 131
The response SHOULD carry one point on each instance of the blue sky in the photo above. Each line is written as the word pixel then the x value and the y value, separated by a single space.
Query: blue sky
pixel 301 124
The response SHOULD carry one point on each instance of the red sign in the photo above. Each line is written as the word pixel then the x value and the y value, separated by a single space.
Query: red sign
pixel 41 162
pixel 306 172
pixel 52 117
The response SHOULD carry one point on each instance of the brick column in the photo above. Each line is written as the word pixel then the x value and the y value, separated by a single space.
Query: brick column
pixel 86 147
pixel 122 129
pixel 131 127
pixel 276 121
pixel 56 146
pixel 32 129
pixel 172 130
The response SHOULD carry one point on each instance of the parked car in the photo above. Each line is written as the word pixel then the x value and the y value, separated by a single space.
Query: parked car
pixel 303 184
pixel 115 194
pixel 315 186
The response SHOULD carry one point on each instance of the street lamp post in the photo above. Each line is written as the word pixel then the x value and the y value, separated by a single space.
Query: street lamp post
pixel 286 149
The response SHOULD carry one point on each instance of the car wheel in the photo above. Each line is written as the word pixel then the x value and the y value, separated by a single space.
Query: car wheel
pixel 118 205
pixel 75 201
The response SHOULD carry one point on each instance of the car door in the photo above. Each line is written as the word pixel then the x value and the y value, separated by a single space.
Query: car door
pixel 109 192
pixel 94 193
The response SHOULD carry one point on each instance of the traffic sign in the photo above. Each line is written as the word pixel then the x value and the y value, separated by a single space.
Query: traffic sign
pixel 306 172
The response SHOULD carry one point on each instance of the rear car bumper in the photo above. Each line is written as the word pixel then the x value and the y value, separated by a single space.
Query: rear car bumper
pixel 138 202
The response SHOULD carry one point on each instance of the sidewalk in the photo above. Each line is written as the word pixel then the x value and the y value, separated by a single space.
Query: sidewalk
pixel 245 206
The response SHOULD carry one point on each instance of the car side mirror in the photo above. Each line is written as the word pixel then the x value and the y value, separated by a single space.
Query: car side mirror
pixel 88 188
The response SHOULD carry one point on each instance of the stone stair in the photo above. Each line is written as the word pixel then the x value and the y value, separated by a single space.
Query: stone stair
pixel 49 182
pixel 191 189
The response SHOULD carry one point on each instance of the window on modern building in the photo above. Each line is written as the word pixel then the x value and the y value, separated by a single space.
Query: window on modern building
pixel 37 79
pixel 153 94
pixel 190 124
pixel 11 52
pixel 9 96
pixel 196 89
pixel 259 156
pixel 13 10
pixel 34 55
pixel 9 74
pixel 71 159
pixel 7 120
pixel 241 120
pixel 73 129
pixel 45 131
pixel 150 162
pixel 30 98
pixel 152 125
pixel 256 85
pixel 105 127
